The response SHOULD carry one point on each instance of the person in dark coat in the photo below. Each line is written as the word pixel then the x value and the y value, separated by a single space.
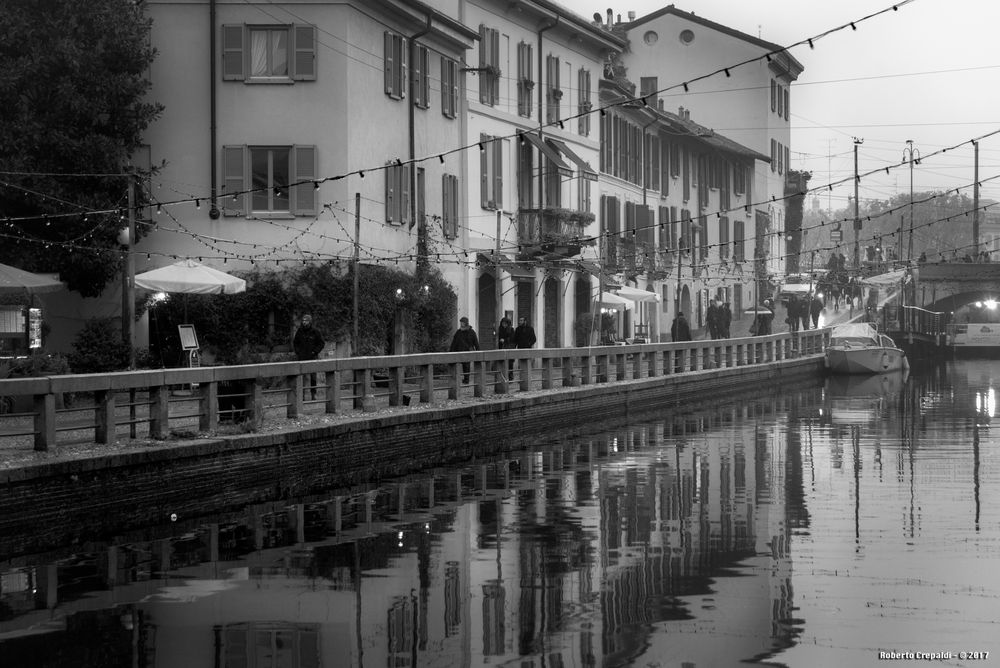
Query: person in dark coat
pixel 679 329
pixel 815 308
pixel 793 314
pixel 465 339
pixel 725 320
pixel 524 335
pixel 505 338
pixel 804 305
pixel 308 343
pixel 712 318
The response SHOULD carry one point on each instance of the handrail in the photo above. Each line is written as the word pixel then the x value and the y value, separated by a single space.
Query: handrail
pixel 360 384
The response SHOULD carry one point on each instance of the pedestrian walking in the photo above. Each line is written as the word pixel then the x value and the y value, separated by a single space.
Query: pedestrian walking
pixel 792 311
pixel 505 339
pixel 308 343
pixel 465 340
pixel 524 335
pixel 712 319
pixel 680 330
pixel 726 319
pixel 815 308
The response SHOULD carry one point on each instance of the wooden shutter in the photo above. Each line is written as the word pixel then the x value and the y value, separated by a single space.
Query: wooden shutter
pixel 419 76
pixel 484 172
pixel 304 61
pixel 406 192
pixel 233 62
pixel 233 181
pixel 391 190
pixel 389 62
pixel 484 48
pixel 495 61
pixel 304 169
pixel 498 172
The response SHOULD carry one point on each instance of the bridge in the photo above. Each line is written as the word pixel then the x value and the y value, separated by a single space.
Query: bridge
pixel 930 301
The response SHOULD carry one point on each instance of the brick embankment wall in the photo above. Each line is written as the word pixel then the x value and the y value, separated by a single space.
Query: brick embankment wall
pixel 53 504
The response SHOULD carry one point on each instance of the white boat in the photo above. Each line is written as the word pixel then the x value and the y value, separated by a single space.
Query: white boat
pixel 859 348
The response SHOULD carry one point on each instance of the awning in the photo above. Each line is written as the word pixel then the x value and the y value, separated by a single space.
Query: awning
pixel 585 169
pixel 549 152
pixel 637 295
pixel 611 299
pixel 887 279
pixel 516 270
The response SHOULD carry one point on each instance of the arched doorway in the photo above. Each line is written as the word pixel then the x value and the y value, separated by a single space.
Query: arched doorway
pixel 486 316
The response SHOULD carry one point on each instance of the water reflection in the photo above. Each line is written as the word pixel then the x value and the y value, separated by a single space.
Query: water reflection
pixel 809 528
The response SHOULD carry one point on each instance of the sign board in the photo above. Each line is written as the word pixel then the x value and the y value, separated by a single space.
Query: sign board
pixel 836 235
pixel 189 338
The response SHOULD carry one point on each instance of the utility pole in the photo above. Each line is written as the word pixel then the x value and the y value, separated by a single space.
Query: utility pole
pixel 497 285
pixel 128 275
pixel 910 155
pixel 975 202
pixel 357 261
pixel 857 217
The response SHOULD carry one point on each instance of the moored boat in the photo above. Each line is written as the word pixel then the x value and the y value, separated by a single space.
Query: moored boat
pixel 860 348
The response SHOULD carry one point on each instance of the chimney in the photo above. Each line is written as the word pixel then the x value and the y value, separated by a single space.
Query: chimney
pixel 631 16
pixel 680 111
pixel 611 17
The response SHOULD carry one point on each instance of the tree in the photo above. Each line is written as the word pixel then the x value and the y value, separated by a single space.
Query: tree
pixel 73 85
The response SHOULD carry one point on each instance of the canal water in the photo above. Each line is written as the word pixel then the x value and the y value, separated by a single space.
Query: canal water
pixel 816 527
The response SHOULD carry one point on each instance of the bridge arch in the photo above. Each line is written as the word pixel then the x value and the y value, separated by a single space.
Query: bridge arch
pixel 952 302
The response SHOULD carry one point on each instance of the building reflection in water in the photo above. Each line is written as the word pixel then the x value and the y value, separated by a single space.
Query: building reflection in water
pixel 669 538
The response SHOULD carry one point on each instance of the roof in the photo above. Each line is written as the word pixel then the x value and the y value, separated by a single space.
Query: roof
pixel 788 62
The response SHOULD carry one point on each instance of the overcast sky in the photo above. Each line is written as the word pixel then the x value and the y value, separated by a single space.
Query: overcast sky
pixel 929 72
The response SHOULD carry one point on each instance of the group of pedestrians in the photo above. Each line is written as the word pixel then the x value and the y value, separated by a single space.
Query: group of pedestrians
pixel 803 310
pixel 465 339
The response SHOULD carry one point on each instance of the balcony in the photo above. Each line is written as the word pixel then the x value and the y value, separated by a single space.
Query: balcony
pixel 553 232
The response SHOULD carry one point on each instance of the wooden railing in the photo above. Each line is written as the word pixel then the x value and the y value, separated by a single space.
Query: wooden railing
pixel 153 403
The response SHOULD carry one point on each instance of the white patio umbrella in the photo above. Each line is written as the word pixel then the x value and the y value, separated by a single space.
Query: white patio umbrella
pixel 190 277
pixel 14 281
pixel 611 299
pixel 637 295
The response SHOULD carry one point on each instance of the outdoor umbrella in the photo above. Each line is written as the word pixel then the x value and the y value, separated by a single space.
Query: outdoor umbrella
pixel 190 277
pixel 637 295
pixel 608 298
pixel 15 281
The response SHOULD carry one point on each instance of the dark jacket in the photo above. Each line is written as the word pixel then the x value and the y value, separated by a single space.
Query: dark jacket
pixel 308 343
pixel 524 336
pixel 680 330
pixel 505 335
pixel 464 339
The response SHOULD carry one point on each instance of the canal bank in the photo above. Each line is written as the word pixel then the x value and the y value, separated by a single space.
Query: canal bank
pixel 60 501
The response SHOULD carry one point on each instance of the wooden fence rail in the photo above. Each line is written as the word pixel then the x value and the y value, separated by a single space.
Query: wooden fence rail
pixel 158 400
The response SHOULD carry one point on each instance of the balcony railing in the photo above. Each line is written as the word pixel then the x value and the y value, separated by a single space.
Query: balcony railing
pixel 553 231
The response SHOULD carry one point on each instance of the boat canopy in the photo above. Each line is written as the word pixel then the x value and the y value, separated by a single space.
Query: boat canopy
pixel 855 332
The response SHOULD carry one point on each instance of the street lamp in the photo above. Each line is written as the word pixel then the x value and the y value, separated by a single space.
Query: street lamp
pixel 910 155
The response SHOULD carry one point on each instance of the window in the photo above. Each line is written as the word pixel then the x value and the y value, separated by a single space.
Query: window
pixel 489 65
pixel 787 95
pixel 652 161
pixel 649 86
pixel 583 84
pixel 703 237
pixel 491 172
pixel 583 195
pixel 739 250
pixel 525 83
pixel 781 158
pixel 269 179
pixel 788 158
pixel 449 206
pixel 397 193
pixel 611 228
pixel 449 87
pixel 421 80
pixel 395 65
pixel 553 94
pixel 739 179
pixel 685 240
pixel 268 54
pixel 723 237
pixel 774 155
pixel 774 95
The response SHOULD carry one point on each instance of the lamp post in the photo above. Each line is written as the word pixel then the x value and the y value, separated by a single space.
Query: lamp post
pixel 911 155
pixel 126 237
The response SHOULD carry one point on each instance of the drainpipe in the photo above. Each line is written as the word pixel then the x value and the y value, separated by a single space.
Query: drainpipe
pixel 213 211
pixel 541 105
pixel 421 232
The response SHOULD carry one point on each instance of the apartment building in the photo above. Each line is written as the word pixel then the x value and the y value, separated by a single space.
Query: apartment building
pixel 748 100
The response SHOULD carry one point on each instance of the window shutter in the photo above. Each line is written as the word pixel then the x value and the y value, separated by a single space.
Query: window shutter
pixel 391 185
pixel 304 63
pixel 233 180
pixel 404 59
pixel 418 71
pixel 304 169
pixel 232 53
pixel 445 205
pixel 484 171
pixel 425 80
pixel 406 190
pixel 495 61
pixel 484 48
pixel 498 172
pixel 388 63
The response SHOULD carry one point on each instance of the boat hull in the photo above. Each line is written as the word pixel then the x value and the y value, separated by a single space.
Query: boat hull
pixel 864 359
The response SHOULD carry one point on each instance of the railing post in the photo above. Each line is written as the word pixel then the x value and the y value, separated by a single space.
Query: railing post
pixel 500 379
pixel 620 361
pixel 296 386
pixel 455 374
pixel 427 383
pixel 159 409
pixel 525 366
pixel 362 387
pixel 548 373
pixel 396 385
pixel 209 418
pixel 104 412
pixel 479 378
pixel 256 401
pixel 333 390
pixel 586 369
pixel 45 421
